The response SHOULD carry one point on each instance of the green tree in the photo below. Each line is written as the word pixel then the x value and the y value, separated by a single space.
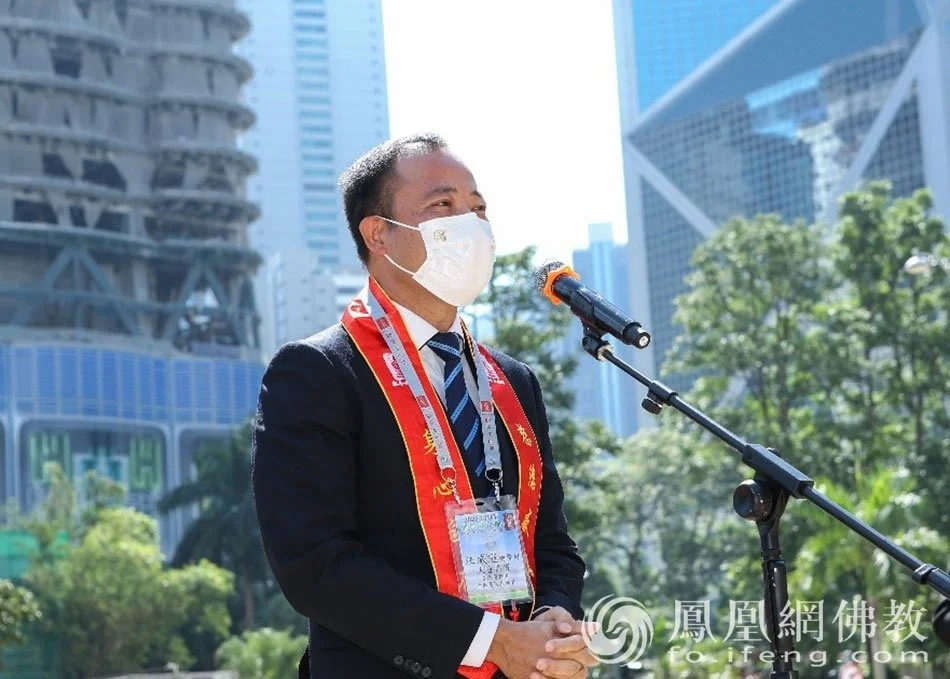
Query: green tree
pixel 203 591
pixel 748 321
pixel 821 345
pixel 815 341
pixel 262 654
pixel 669 514
pixel 225 530
pixel 54 521
pixel 832 556
pixel 18 608
pixel 277 612
pixel 117 609
pixel 892 404
pixel 99 493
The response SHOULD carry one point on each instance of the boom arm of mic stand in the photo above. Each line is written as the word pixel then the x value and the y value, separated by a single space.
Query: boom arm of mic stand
pixel 771 468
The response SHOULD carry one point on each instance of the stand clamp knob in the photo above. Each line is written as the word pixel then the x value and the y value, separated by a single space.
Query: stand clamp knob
pixel 752 500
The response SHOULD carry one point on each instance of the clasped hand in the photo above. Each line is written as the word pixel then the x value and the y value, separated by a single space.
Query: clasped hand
pixel 551 646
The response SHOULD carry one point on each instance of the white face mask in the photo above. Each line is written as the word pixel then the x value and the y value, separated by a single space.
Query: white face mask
pixel 460 256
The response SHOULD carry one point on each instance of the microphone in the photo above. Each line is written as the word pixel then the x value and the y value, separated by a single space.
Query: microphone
pixel 560 283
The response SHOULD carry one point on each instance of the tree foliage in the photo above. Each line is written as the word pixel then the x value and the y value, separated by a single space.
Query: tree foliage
pixel 18 609
pixel 816 341
pixel 226 530
pixel 262 654
pixel 109 598
pixel 820 344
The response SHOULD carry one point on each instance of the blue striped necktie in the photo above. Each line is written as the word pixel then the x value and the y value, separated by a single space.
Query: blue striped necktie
pixel 463 415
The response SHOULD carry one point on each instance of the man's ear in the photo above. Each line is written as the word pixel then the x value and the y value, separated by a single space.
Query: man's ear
pixel 372 230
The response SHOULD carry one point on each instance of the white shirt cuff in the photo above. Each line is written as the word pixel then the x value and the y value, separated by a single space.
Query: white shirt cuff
pixel 482 641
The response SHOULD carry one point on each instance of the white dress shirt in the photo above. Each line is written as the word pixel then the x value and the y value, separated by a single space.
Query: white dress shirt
pixel 421 331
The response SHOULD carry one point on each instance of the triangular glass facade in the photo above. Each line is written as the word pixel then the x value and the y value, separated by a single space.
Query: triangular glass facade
pixel 670 241
pixel 898 155
pixel 781 148
pixel 673 37
pixel 773 127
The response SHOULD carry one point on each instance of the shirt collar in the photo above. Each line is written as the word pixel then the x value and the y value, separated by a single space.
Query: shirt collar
pixel 420 330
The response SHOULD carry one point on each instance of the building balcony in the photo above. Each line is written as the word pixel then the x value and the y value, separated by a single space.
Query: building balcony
pixel 81 32
pixel 70 186
pixel 25 237
pixel 70 134
pixel 243 67
pixel 117 43
pixel 241 25
pixel 245 160
pixel 240 117
pixel 203 204
pixel 72 85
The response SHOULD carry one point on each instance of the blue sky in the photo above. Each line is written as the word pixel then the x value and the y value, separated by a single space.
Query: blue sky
pixel 526 93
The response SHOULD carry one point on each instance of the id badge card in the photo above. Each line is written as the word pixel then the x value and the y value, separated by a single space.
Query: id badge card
pixel 489 550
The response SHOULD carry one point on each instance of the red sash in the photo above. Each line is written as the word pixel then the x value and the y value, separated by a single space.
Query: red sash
pixel 432 491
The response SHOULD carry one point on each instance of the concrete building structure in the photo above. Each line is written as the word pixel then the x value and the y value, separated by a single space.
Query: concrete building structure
pixel 128 324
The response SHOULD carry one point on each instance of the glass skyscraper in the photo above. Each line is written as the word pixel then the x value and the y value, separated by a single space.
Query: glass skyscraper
pixel 673 37
pixel 736 107
pixel 602 392
pixel 319 93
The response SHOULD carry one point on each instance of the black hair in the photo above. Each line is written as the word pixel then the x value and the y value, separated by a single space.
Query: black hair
pixel 366 185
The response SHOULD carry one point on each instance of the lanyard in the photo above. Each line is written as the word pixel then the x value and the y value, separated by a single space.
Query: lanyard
pixel 486 408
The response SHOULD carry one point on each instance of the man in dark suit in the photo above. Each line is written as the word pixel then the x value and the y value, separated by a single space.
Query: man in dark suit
pixel 335 485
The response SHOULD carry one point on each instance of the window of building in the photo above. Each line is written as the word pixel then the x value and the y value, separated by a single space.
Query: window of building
pixel 67 57
pixel 312 56
pixel 53 166
pixel 313 70
pixel 321 230
pixel 77 216
pixel 33 211
pixel 311 42
pixel 311 186
pixel 103 173
pixel 321 216
pixel 113 221
pixel 316 129
pixel 321 244
pixel 319 201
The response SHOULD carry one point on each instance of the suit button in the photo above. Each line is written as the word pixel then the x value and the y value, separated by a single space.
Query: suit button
pixel 426 672
pixel 415 667
pixel 399 660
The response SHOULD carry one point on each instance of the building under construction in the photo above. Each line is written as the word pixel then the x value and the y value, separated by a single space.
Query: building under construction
pixel 128 330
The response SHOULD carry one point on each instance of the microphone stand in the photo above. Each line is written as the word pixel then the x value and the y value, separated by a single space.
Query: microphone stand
pixel 763 498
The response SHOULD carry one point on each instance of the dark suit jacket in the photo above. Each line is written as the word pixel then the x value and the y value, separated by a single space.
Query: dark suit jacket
pixel 339 522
